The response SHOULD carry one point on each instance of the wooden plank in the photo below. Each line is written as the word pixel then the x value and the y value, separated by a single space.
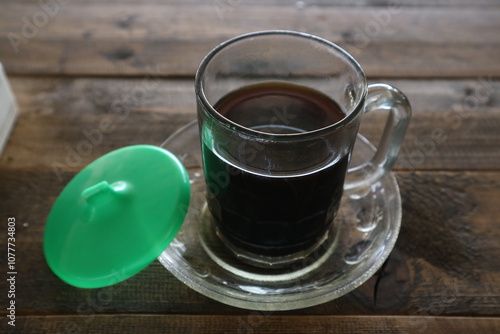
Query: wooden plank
pixel 254 322
pixel 454 127
pixel 425 274
pixel 59 115
pixel 228 4
pixel 99 40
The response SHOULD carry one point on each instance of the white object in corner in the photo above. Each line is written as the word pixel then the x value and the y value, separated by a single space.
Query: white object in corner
pixel 8 109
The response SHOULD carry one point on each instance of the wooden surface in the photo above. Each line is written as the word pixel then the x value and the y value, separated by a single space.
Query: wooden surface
pixel 89 61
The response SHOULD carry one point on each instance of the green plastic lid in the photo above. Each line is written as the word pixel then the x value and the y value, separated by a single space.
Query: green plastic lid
pixel 116 216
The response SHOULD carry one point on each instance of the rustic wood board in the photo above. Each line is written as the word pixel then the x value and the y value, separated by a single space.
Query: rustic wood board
pixel 127 70
pixel 328 3
pixel 454 127
pixel 134 39
pixel 254 322
pixel 457 273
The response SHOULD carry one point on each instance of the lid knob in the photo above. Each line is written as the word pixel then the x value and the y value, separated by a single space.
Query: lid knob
pixel 103 191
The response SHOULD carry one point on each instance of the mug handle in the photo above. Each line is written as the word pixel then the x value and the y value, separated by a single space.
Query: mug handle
pixel 384 97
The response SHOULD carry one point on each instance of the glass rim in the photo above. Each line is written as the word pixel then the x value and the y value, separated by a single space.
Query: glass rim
pixel 351 114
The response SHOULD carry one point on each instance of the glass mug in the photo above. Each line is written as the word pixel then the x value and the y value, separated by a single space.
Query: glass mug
pixel 279 113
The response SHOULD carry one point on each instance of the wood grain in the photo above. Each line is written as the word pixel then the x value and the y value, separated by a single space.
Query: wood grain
pixel 254 322
pixel 449 130
pixel 172 39
pixel 456 273
pixel 329 3
pixel 120 72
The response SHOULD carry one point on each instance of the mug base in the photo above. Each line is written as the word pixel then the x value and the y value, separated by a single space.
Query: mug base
pixel 261 267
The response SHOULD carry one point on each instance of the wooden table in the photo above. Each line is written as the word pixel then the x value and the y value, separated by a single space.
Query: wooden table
pixel 73 64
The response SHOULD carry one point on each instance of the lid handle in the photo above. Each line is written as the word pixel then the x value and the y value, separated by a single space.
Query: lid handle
pixel 103 191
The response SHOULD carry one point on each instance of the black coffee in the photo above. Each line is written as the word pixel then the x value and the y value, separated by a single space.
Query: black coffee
pixel 274 215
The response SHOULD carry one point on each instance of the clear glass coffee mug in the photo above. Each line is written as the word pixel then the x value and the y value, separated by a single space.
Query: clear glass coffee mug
pixel 279 113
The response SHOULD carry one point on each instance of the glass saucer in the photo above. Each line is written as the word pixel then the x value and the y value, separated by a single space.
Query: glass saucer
pixel 365 230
